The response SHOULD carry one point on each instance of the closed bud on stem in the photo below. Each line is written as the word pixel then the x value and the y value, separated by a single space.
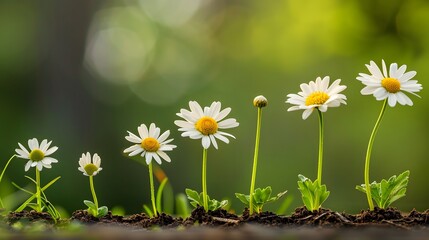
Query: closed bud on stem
pixel 260 101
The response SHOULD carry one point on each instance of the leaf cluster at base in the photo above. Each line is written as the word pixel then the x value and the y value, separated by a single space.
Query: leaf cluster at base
pixel 197 199
pixel 260 198
pixel 94 211
pixel 388 191
pixel 313 193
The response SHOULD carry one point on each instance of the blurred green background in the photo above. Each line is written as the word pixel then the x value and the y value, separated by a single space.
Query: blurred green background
pixel 82 73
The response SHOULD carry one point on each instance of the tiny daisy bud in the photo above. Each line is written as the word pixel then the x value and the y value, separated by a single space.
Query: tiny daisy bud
pixel 260 101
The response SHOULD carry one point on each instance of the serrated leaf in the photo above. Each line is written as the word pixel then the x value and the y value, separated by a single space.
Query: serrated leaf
pixel 194 197
pixel 243 198
pixel 313 194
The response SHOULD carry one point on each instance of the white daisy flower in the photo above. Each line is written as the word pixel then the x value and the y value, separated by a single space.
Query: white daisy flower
pixel 87 167
pixel 391 86
pixel 150 144
pixel 206 124
pixel 38 154
pixel 317 95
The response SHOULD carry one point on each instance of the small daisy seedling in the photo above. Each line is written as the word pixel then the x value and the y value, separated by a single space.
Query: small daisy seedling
pixel 39 158
pixel 205 125
pixel 320 96
pixel 91 168
pixel 259 197
pixel 150 145
pixel 388 87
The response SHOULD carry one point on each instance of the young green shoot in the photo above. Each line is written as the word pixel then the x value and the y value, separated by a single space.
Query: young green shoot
pixel 38 157
pixel 389 87
pixel 1 177
pixel 92 168
pixel 150 144
pixel 318 96
pixel 259 198
pixel 205 125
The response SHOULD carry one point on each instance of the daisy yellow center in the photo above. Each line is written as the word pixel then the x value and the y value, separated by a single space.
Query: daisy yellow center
pixel 36 155
pixel 90 169
pixel 150 144
pixel 391 85
pixel 206 126
pixel 316 98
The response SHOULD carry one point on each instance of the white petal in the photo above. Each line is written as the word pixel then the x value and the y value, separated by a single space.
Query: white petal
pixel 407 76
pixel 39 166
pixel 133 138
pixel 215 111
pixel 164 156
pixel 392 100
pixel 96 160
pixel 307 113
pixel 143 132
pixel 33 144
pixel 148 157
pixel 152 129
pixel 43 145
pixel 222 114
pixel 228 123
pixel 157 159
pixel 136 152
pixel 184 124
pixel 164 136
pixel 384 69
pixel 222 138
pixel 196 108
pixel 51 150
pixel 226 134
pixel 28 165
pixel 205 142
pixel 22 154
pixel 52 160
pixel 213 140
pixel 132 148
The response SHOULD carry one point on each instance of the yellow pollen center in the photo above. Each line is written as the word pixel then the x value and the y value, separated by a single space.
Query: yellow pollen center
pixel 90 169
pixel 150 144
pixel 206 126
pixel 36 155
pixel 316 98
pixel 391 85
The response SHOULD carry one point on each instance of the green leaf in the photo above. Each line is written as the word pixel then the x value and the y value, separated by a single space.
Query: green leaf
pixel 260 198
pixel 313 194
pixel 147 210
pixel 159 194
pixel 243 198
pixel 182 208
pixel 388 191
pixel 89 204
pixel 194 198
pixel 102 211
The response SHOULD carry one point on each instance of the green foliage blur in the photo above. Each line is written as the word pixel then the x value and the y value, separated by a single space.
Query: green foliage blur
pixel 82 73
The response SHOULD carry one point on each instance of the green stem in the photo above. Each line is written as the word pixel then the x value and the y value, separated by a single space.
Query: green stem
pixel 1 176
pixel 368 156
pixel 94 196
pixel 255 159
pixel 204 179
pixel 152 190
pixel 38 195
pixel 320 159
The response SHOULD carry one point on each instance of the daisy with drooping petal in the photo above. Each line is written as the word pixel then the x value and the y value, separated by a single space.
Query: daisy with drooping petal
pixel 205 124
pixel 150 144
pixel 389 85
pixel 91 168
pixel 38 155
pixel 317 95
pixel 88 167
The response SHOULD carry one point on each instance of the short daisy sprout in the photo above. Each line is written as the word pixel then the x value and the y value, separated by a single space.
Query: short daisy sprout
pixel 389 87
pixel 151 145
pixel 318 96
pixel 205 124
pixel 257 198
pixel 38 157
pixel 91 168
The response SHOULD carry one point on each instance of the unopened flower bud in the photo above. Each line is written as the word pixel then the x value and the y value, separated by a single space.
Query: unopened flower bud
pixel 260 101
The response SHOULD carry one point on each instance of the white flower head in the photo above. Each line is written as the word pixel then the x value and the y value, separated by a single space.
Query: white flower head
pixel 150 143
pixel 390 85
pixel 88 167
pixel 205 124
pixel 317 95
pixel 38 155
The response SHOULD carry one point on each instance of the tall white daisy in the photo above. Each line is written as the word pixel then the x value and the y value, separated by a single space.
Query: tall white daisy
pixel 88 167
pixel 150 144
pixel 390 85
pixel 38 155
pixel 317 95
pixel 205 124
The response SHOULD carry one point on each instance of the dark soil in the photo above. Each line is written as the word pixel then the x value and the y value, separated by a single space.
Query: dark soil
pixel 300 218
